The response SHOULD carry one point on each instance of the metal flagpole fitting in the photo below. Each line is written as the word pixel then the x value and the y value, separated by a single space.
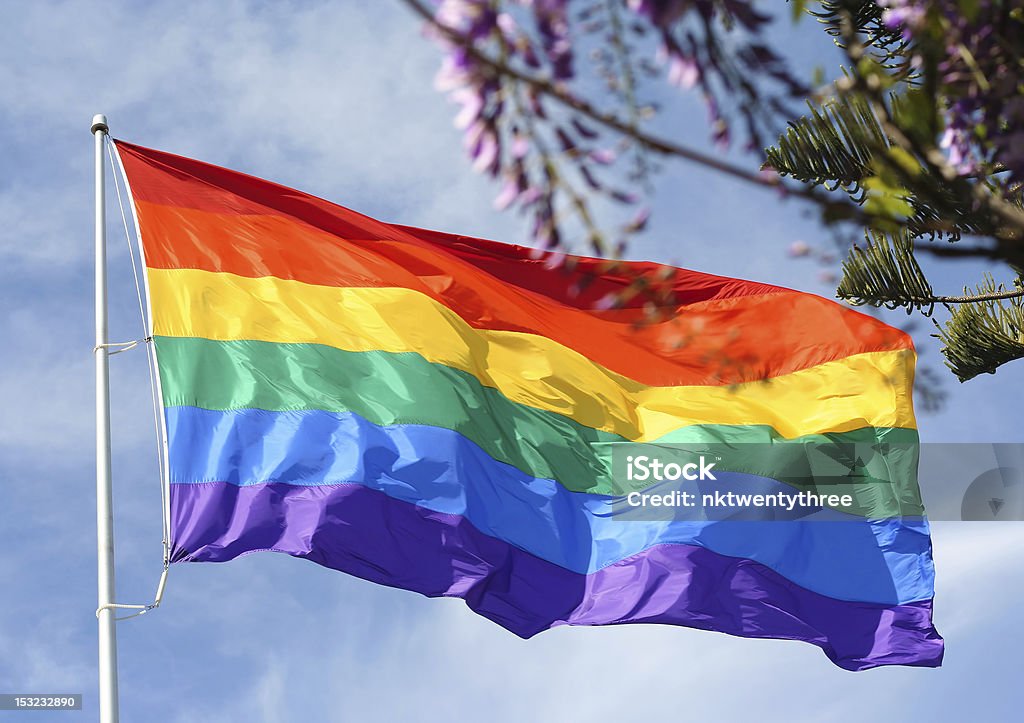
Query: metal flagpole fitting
pixel 104 505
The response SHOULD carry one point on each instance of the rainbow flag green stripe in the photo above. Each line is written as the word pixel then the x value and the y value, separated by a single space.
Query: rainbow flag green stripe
pixel 404 388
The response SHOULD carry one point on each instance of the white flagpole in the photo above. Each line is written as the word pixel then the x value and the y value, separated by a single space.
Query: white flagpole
pixel 104 506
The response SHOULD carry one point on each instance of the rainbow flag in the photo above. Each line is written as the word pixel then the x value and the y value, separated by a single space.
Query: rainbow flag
pixel 442 414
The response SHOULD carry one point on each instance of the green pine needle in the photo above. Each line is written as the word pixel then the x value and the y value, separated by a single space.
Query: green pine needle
pixel 983 335
pixel 885 273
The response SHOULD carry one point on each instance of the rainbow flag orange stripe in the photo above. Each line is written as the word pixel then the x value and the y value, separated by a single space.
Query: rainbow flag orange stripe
pixel 439 413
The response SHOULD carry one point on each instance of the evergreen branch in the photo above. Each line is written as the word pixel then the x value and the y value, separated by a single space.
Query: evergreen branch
pixel 834 144
pixel 1010 216
pixel 886 273
pixel 988 296
pixel 841 144
pixel 979 337
pixel 866 16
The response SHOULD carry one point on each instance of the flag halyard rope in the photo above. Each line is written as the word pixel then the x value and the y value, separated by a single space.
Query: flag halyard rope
pixel 119 347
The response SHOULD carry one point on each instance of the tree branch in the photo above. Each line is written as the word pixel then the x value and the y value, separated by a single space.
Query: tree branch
pixel 626 127
pixel 1009 214
pixel 970 299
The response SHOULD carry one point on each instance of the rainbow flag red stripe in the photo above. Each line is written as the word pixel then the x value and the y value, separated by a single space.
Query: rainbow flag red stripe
pixel 435 413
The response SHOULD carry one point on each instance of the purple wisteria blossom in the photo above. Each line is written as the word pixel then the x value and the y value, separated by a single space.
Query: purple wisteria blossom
pixel 552 161
pixel 978 50
pixel 903 15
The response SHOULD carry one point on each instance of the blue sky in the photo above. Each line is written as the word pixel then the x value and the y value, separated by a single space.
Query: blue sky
pixel 336 99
